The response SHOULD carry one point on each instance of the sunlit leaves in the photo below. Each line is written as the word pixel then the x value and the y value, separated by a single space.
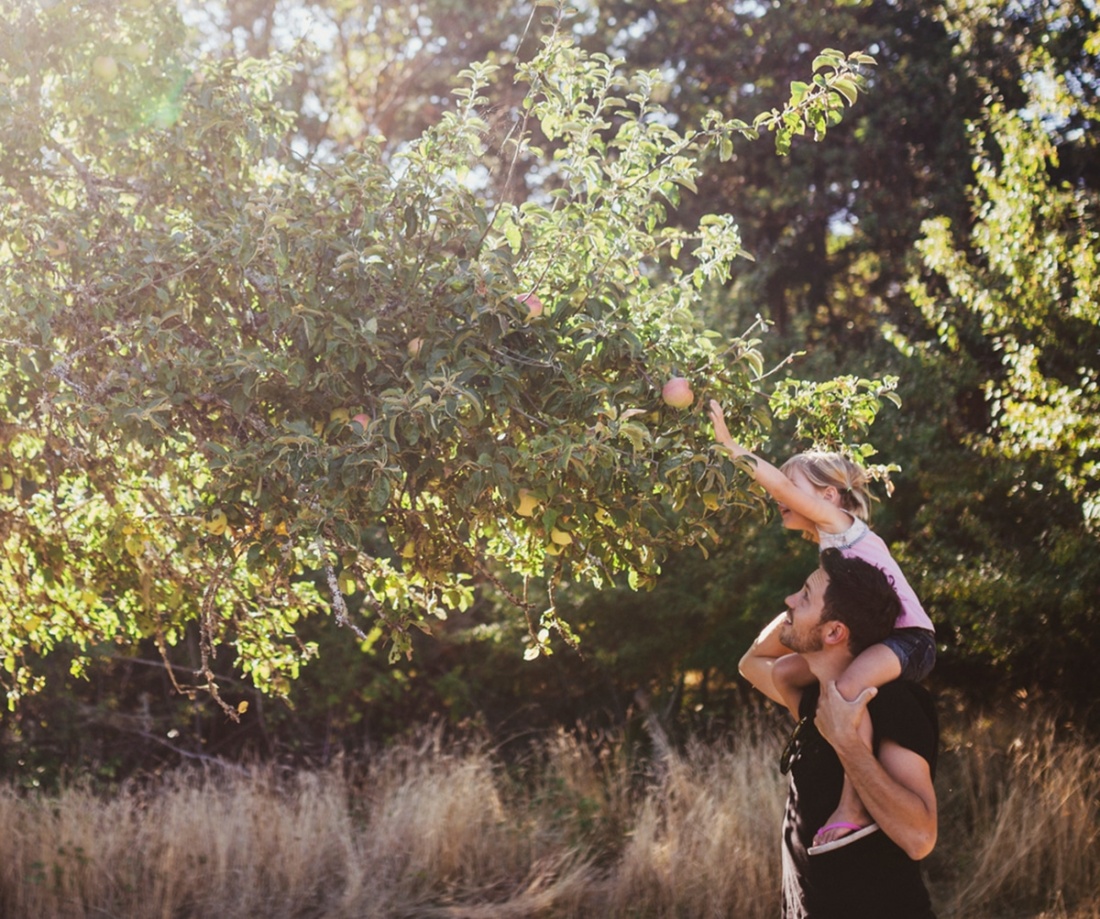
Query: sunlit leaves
pixel 818 105
pixel 1027 281
pixel 828 414
pixel 243 387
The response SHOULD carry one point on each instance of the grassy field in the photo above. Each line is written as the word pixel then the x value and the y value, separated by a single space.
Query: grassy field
pixel 575 830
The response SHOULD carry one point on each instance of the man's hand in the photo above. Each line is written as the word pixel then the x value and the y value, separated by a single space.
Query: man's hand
pixel 838 720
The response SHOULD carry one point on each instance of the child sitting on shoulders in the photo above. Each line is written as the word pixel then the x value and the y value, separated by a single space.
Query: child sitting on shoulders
pixel 825 496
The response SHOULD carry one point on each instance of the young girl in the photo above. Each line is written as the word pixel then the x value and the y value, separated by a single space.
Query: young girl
pixel 825 496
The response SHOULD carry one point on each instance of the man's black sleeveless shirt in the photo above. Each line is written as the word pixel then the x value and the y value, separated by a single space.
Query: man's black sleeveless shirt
pixel 872 878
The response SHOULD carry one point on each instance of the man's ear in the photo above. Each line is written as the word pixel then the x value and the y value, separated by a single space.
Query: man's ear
pixel 835 632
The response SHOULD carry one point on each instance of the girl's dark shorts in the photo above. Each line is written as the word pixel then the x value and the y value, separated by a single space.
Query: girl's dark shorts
pixel 916 649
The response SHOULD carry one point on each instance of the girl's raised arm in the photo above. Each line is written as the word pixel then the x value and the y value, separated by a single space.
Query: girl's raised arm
pixel 817 508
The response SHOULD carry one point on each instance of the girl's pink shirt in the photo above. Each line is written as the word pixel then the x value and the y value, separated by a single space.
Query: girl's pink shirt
pixel 860 541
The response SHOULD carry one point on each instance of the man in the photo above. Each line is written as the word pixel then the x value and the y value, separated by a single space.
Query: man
pixel 846 605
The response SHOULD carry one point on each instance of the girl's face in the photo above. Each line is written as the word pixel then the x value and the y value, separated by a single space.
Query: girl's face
pixel 793 520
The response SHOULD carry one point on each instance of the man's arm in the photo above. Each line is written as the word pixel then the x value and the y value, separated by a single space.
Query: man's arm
pixel 896 788
pixel 758 666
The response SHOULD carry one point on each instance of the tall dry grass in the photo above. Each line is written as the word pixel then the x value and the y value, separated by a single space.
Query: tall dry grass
pixel 578 830
pixel 1020 831
pixel 704 840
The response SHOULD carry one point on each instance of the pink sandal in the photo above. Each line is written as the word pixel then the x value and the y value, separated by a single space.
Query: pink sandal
pixel 858 832
pixel 842 825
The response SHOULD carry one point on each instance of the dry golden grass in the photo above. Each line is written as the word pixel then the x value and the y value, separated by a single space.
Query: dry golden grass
pixel 1021 821
pixel 705 837
pixel 422 830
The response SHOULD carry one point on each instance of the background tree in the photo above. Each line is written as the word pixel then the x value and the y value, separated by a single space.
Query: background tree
pixel 1013 299
pixel 830 230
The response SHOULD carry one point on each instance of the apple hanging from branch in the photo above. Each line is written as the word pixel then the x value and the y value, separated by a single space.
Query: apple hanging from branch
pixel 533 304
pixel 526 504
pixel 677 393
pixel 105 68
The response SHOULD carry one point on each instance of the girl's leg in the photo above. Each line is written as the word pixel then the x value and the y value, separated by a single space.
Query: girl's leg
pixel 876 666
pixel 850 814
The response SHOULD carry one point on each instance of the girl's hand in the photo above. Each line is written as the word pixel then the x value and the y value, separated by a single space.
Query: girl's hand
pixel 721 432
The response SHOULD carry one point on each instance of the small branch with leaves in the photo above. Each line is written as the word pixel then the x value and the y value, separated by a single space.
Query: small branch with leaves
pixel 817 105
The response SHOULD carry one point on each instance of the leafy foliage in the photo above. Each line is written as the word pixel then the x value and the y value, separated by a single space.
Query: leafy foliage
pixel 1031 279
pixel 1011 305
pixel 830 228
pixel 241 385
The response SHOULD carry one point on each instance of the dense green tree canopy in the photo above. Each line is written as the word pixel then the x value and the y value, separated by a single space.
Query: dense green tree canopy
pixel 243 380
pixel 1012 301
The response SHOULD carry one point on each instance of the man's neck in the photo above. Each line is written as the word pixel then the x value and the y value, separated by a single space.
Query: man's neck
pixel 827 666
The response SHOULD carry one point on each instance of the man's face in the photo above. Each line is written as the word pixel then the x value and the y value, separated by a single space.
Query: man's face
pixel 802 630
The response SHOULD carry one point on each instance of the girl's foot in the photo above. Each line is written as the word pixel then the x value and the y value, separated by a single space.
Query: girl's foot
pixel 843 821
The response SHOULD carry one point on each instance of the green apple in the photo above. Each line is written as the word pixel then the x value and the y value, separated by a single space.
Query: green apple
pixel 105 68
pixel 217 523
pixel 560 537
pixel 526 503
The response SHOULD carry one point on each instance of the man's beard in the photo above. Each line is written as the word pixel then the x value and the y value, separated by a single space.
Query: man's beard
pixel 808 641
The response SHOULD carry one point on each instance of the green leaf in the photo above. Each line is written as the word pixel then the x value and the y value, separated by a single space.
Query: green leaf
pixel 847 88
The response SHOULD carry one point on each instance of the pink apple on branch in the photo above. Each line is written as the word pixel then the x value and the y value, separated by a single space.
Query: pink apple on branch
pixel 677 393
pixel 533 304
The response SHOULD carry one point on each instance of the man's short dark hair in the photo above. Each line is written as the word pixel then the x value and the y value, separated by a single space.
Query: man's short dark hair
pixel 861 596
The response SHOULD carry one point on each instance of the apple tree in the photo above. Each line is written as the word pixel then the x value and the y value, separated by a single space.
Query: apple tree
pixel 240 385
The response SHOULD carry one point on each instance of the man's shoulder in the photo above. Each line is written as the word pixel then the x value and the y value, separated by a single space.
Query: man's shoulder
pixel 905 695
pixel 902 689
pixel 905 712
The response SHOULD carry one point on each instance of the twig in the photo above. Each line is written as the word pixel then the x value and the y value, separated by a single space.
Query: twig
pixel 187 754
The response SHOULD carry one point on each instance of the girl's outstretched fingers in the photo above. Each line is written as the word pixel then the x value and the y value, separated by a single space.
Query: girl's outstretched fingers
pixel 718 419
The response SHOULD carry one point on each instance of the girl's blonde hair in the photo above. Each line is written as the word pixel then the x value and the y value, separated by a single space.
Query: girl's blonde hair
pixel 823 469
